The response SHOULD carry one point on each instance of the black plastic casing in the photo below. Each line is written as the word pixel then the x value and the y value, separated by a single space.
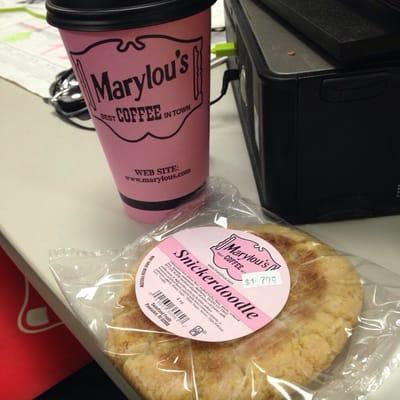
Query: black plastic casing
pixel 324 143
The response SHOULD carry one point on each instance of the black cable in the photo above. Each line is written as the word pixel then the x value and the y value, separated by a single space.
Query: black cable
pixel 230 75
pixel 67 117
pixel 72 122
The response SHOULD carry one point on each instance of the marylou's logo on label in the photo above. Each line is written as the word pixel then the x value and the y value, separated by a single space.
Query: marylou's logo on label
pixel 238 255
pixel 144 87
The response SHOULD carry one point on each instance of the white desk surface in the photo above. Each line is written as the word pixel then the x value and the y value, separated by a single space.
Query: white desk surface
pixel 57 191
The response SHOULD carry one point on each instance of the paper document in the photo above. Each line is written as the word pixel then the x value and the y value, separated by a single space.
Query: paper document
pixel 32 52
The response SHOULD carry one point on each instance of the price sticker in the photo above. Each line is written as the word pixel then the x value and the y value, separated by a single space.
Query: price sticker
pixel 263 278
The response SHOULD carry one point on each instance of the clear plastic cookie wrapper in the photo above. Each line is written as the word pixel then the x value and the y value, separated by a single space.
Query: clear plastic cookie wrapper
pixel 226 301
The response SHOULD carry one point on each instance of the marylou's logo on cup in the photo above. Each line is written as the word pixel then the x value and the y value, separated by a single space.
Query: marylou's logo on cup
pixel 238 255
pixel 148 86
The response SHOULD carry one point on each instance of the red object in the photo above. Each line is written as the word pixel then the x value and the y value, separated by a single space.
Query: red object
pixel 36 350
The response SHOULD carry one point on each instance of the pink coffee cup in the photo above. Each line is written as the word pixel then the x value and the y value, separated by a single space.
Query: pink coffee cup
pixel 144 69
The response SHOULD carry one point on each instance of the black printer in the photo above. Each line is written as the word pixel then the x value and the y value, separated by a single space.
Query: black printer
pixel 319 102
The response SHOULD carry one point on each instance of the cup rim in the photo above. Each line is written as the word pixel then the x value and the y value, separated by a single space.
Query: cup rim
pixel 113 17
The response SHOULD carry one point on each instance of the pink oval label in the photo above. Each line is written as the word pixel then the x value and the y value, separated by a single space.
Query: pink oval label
pixel 212 284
